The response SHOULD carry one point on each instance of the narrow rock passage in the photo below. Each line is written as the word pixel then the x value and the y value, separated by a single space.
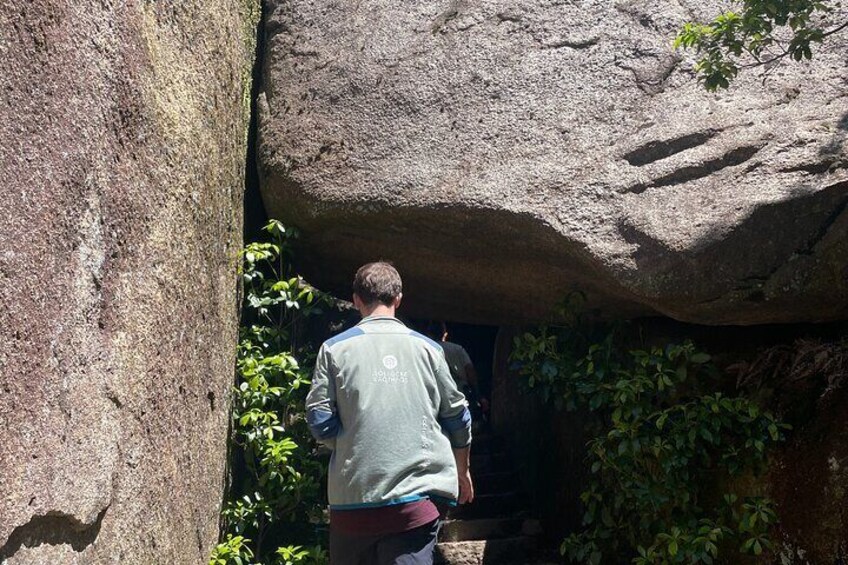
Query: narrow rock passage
pixel 497 527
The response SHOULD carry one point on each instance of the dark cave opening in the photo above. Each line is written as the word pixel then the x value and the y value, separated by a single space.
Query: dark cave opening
pixel 479 342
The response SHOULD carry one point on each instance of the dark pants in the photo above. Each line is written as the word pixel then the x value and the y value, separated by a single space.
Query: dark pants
pixel 414 547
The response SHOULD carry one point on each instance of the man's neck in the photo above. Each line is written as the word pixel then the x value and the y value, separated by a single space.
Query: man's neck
pixel 378 310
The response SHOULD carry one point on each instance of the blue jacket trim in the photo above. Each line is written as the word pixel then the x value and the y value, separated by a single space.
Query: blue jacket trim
pixel 347 334
pixel 413 333
pixel 323 424
pixel 458 422
pixel 394 502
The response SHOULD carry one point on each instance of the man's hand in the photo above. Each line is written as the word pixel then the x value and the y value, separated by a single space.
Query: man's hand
pixel 466 486
pixel 484 405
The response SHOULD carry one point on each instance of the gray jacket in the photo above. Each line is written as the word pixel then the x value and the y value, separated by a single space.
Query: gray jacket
pixel 383 399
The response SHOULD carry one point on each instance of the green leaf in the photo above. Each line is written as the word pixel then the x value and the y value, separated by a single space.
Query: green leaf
pixel 672 548
pixel 700 358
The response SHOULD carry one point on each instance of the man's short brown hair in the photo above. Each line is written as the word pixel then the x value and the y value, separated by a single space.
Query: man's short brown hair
pixel 377 281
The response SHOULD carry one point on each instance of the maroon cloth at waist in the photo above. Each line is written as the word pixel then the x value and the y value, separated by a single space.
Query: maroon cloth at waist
pixel 383 519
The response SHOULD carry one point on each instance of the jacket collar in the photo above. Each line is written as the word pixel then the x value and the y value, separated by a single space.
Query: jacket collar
pixel 379 318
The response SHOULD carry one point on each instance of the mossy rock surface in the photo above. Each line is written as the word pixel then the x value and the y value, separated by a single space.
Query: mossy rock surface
pixel 122 159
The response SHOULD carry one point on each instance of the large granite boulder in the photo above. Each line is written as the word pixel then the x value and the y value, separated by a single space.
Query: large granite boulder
pixel 122 150
pixel 504 153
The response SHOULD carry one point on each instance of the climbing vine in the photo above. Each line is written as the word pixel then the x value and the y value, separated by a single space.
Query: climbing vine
pixel 274 511
pixel 672 457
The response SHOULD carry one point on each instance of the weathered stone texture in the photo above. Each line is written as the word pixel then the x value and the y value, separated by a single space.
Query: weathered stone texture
pixel 504 153
pixel 122 147
pixel 809 482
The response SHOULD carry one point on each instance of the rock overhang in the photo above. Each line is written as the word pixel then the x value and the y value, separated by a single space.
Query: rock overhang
pixel 501 170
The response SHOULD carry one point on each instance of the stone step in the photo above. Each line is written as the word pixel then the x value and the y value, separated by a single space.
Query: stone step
pixel 488 528
pixel 512 551
pixel 495 482
pixel 489 506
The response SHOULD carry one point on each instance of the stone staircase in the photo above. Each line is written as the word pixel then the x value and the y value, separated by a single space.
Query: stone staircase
pixel 496 528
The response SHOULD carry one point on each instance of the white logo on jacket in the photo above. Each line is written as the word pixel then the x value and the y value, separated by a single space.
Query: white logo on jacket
pixel 390 362
pixel 390 374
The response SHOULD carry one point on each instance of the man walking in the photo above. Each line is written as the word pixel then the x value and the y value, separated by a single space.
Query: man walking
pixel 383 400
pixel 462 370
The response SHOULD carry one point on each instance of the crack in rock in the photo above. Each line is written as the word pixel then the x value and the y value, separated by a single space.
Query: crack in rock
pixel 694 172
pixel 817 168
pixel 660 149
pixel 451 13
pixel 571 42
pixel 831 219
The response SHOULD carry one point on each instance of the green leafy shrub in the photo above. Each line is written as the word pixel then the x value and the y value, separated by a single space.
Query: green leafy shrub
pixel 275 508
pixel 750 36
pixel 669 454
pixel 235 550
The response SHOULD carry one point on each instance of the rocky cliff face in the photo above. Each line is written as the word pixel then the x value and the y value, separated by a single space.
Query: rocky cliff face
pixel 505 153
pixel 122 143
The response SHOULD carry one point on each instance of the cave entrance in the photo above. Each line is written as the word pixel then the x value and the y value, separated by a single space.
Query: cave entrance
pixel 515 459
pixel 479 342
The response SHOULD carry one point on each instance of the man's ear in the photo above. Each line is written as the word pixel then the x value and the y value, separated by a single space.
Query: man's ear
pixel 357 302
pixel 397 300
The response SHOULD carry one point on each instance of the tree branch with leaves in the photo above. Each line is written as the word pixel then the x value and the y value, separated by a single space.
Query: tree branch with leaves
pixel 761 33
